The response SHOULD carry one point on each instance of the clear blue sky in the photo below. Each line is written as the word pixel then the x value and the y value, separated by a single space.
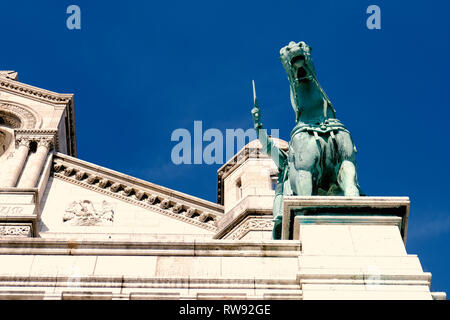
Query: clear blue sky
pixel 141 69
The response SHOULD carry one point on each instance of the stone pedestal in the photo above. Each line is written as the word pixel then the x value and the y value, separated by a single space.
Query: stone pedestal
pixel 353 248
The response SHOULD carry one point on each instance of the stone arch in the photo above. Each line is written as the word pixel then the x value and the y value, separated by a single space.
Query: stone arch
pixel 10 120
pixel 6 142
pixel 15 116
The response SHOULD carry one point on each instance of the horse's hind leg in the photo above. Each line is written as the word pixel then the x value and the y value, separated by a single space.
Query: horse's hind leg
pixel 346 174
pixel 347 179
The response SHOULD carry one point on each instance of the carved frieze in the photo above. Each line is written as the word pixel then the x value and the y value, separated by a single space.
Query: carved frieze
pixel 250 224
pixel 11 230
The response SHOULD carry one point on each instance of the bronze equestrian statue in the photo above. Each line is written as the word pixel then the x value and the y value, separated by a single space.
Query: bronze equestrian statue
pixel 321 156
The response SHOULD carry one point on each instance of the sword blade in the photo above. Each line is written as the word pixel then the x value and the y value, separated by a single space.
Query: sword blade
pixel 255 100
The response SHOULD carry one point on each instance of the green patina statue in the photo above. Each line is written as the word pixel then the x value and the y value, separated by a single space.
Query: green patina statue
pixel 321 156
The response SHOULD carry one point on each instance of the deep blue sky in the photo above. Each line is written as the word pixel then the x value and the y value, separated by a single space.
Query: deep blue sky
pixel 139 70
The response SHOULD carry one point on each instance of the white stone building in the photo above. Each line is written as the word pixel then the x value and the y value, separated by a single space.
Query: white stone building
pixel 70 229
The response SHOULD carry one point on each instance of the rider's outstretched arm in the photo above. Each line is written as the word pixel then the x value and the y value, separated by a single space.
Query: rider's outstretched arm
pixel 268 146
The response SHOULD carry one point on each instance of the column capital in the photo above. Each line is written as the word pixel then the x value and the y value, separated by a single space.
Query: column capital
pixel 44 142
pixel 23 141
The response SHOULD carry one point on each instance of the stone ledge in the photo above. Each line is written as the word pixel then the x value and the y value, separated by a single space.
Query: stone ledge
pixel 423 278
pixel 40 246
pixel 22 295
pixel 98 288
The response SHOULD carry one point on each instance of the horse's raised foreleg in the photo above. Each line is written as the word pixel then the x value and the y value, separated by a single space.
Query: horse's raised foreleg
pixel 302 183
pixel 346 174
pixel 304 155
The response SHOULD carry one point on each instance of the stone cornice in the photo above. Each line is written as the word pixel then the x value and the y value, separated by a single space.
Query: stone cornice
pixel 168 202
pixel 34 92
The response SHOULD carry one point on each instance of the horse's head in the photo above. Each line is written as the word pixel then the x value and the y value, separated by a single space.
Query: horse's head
pixel 297 61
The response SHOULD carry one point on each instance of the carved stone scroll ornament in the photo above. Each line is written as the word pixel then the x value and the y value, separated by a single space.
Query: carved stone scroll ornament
pixel 15 231
pixel 84 213
pixel 253 224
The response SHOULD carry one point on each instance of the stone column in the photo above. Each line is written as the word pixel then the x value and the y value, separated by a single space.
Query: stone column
pixel 38 162
pixel 16 165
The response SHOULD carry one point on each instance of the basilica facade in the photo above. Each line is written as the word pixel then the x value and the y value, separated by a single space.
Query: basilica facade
pixel 70 229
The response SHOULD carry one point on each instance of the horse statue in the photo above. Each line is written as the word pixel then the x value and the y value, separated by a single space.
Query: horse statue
pixel 321 155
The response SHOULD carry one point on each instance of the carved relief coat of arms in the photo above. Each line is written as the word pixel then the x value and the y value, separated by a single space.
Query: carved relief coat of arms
pixel 84 213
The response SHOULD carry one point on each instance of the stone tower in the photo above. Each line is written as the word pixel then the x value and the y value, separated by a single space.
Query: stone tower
pixel 33 123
